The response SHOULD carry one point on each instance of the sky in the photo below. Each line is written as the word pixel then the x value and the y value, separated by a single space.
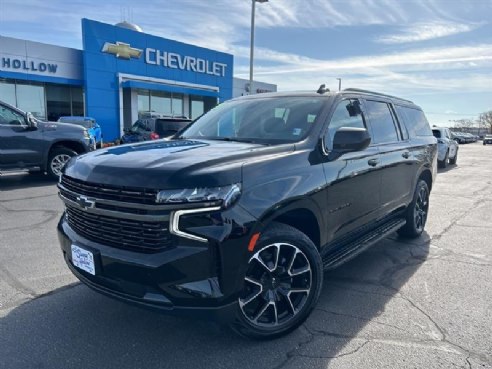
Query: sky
pixel 437 53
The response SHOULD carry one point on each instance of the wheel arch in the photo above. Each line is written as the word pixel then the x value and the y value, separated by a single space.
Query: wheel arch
pixel 78 147
pixel 304 216
pixel 426 175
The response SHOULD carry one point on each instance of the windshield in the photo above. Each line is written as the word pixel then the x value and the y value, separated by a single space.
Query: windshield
pixel 268 120
pixel 79 122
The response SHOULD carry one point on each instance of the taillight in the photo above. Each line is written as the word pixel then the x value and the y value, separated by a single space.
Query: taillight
pixel 154 136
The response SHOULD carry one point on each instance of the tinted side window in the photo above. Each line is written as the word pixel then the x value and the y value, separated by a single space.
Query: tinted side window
pixel 10 117
pixel 436 133
pixel 346 114
pixel 383 125
pixel 415 121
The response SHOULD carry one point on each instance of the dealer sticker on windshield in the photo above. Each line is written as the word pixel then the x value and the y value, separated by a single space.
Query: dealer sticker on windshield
pixel 83 259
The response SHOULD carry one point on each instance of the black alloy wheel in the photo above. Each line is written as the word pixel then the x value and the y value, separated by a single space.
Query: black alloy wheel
pixel 277 285
pixel 417 212
pixel 421 209
pixel 281 285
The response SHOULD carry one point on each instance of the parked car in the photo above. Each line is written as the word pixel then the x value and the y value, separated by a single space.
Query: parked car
pixel 94 129
pixel 470 137
pixel 29 143
pixel 153 128
pixel 487 139
pixel 458 137
pixel 238 216
pixel 447 148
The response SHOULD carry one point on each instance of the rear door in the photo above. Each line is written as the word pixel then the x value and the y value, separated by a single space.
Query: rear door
pixel 398 166
pixel 19 145
pixel 353 180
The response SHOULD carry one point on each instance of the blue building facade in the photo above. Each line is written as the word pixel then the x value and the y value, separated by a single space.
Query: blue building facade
pixel 120 74
pixel 127 72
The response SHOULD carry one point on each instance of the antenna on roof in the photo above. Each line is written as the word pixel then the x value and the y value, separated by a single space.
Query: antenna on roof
pixel 322 89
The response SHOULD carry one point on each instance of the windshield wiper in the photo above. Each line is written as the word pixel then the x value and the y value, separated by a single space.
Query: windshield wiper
pixel 229 139
pixel 239 139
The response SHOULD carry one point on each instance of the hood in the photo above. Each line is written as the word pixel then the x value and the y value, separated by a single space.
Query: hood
pixel 171 164
pixel 63 127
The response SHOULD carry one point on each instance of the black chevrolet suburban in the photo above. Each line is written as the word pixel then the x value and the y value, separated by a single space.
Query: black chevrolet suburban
pixel 28 143
pixel 238 215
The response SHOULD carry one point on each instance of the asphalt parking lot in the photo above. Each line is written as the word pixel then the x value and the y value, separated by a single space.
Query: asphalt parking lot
pixel 420 304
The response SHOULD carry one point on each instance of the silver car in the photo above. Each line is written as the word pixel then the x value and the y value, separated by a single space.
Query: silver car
pixel 447 147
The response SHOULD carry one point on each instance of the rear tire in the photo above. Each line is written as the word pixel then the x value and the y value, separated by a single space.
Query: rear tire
pixel 455 159
pixel 417 211
pixel 281 286
pixel 444 163
pixel 58 158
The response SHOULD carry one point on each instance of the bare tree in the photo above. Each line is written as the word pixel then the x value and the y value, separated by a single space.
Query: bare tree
pixel 485 121
pixel 464 124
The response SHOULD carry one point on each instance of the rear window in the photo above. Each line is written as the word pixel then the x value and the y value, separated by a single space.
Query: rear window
pixel 436 133
pixel 415 121
pixel 168 127
pixel 383 125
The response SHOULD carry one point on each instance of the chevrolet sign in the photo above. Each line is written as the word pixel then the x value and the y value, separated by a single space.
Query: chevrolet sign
pixel 121 50
pixel 166 59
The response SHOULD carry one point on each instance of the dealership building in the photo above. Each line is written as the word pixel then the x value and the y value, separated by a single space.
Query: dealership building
pixel 120 73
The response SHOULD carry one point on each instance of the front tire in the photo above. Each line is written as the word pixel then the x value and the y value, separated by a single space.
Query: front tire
pixel 57 160
pixel 281 286
pixel 417 211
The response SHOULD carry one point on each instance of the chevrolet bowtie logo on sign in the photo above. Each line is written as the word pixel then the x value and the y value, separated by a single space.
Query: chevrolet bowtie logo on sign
pixel 121 50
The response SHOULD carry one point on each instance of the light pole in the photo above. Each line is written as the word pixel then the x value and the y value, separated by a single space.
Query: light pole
pixel 252 45
pixel 339 84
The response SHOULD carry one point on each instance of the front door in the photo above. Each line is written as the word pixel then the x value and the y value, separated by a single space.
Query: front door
pixel 18 143
pixel 353 196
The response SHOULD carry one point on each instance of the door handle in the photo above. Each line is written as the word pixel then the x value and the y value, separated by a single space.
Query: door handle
pixel 373 162
pixel 406 154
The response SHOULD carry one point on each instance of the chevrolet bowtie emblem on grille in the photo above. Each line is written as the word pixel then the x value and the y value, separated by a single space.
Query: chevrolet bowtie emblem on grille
pixel 121 50
pixel 86 202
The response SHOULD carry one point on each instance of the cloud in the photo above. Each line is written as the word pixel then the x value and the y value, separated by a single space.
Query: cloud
pixel 427 31
pixel 292 63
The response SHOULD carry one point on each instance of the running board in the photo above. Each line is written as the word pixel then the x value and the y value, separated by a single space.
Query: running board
pixel 347 251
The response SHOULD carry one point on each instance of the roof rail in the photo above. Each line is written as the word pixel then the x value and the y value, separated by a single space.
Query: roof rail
pixel 375 93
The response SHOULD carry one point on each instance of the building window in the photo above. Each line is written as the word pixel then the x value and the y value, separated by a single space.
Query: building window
pixel 177 104
pixel 160 102
pixel 31 98
pixel 197 107
pixel 43 100
pixel 201 104
pixel 7 92
pixel 58 102
pixel 143 101
pixel 77 101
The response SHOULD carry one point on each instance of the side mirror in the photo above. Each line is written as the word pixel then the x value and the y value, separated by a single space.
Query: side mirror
pixel 348 139
pixel 31 121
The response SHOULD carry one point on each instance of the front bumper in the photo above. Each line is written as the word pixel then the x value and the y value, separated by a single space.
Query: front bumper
pixel 191 278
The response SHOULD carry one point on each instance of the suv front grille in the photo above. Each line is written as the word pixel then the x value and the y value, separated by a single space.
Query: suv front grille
pixel 121 233
pixel 120 217
pixel 110 192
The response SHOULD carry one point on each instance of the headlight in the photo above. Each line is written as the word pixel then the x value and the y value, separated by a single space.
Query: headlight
pixel 86 134
pixel 225 195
